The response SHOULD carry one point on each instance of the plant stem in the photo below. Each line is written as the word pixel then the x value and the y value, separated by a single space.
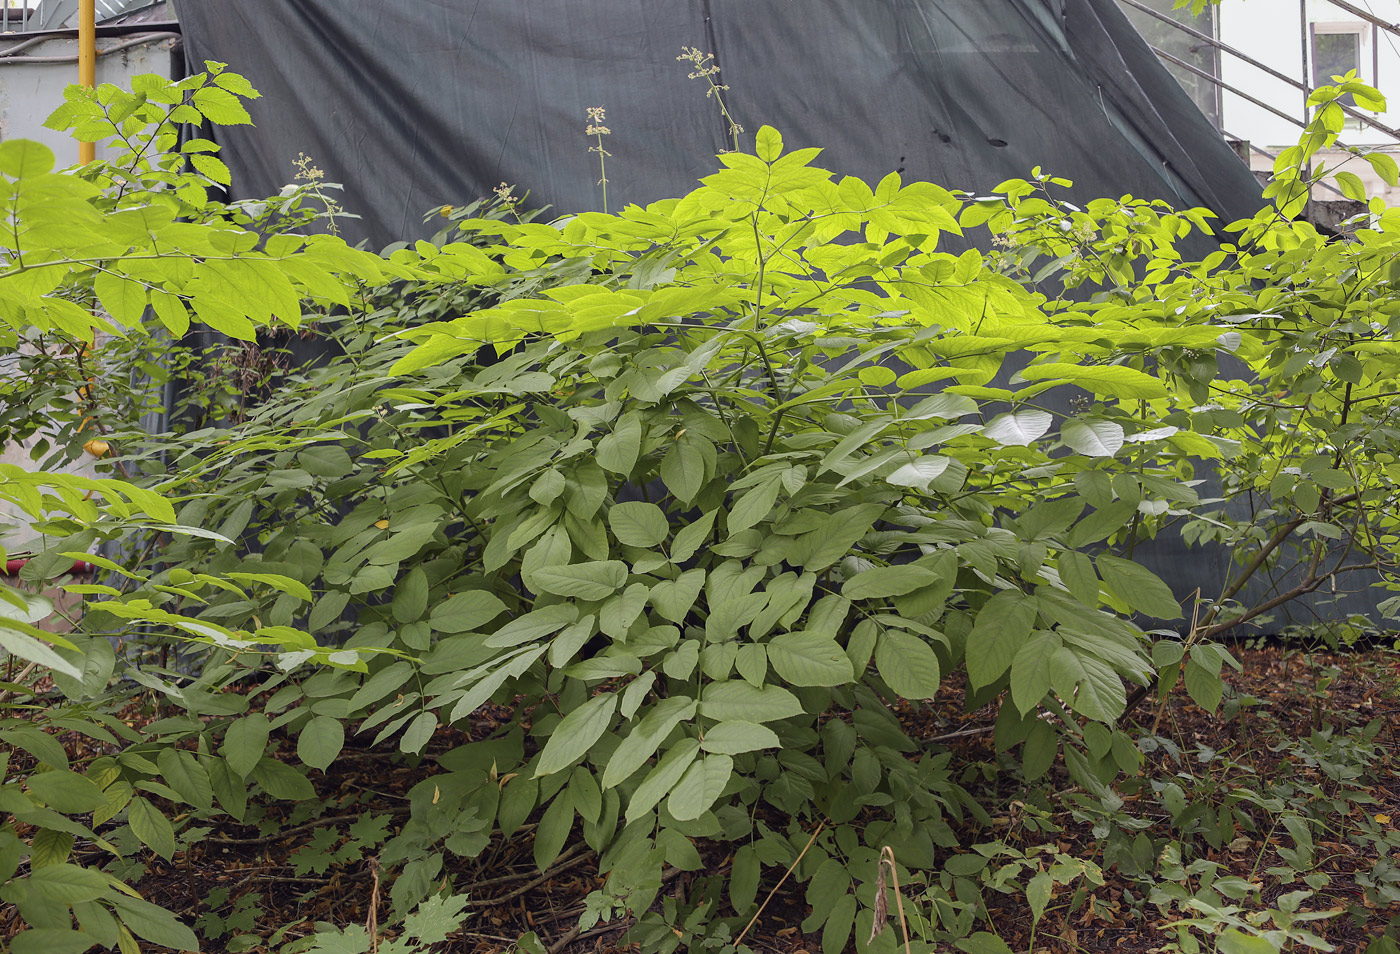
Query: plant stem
pixel 796 861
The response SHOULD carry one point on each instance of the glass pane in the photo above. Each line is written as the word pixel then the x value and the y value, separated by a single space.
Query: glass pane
pixel 1335 54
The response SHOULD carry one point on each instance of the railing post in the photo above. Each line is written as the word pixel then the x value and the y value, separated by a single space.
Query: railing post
pixel 1306 30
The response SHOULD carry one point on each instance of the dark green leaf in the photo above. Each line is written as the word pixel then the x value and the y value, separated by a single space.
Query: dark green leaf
pixel 999 631
pixel 809 659
pixel 153 828
pixel 575 735
pixel 320 741
pixel 245 741
pixel 886 581
pixel 907 664
pixel 587 581
pixel 465 612
pixel 638 524
pixel 154 924
pixel 1139 587
pixel 66 791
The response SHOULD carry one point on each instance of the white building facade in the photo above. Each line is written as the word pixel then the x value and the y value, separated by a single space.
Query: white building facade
pixel 1246 63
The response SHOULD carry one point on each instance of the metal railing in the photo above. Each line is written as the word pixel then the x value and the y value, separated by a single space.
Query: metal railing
pixel 1366 120
pixel 33 16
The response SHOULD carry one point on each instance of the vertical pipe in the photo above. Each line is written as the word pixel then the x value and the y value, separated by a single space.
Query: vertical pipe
pixel 1305 33
pixel 87 62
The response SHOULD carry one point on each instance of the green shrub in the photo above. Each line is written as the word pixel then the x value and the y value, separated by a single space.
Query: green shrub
pixel 714 494
pixel 732 479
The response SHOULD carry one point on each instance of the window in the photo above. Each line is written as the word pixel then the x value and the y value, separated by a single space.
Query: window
pixel 1337 49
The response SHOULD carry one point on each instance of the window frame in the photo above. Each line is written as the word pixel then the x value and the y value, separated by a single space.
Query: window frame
pixel 1365 33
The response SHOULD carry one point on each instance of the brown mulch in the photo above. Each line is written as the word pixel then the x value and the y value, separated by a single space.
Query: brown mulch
pixel 1287 695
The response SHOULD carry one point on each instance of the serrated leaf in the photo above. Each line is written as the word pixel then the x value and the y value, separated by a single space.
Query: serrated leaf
pixel 1087 685
pixel 1385 166
pixel 1351 185
pixel 1038 893
pixel 66 883
pixel 25 158
pixel 809 659
pixel 220 106
pixel 998 632
pixel 1030 670
pixel 1138 586
pixel 183 773
pixel 151 827
pixel 153 923
pixel 49 847
pixel 51 941
pixel 1077 573
pixel 66 791
pixel 768 144
pixel 282 781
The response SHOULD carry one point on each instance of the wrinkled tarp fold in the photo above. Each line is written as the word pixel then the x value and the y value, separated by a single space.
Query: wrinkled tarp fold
pixel 413 105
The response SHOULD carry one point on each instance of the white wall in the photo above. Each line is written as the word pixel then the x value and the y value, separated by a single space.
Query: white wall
pixel 29 91
pixel 1273 32
pixel 31 85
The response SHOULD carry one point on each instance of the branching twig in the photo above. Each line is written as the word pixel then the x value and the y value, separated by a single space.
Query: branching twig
pixel 372 923
pixel 564 864
pixel 795 862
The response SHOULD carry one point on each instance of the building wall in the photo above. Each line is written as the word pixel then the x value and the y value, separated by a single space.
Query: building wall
pixel 32 82
pixel 1276 34
pixel 31 87
pixel 1290 37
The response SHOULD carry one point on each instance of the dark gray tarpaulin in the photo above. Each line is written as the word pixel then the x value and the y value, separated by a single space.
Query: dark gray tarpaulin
pixel 418 103
pixel 413 104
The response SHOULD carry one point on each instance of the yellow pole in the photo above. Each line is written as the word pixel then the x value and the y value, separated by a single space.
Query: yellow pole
pixel 87 62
